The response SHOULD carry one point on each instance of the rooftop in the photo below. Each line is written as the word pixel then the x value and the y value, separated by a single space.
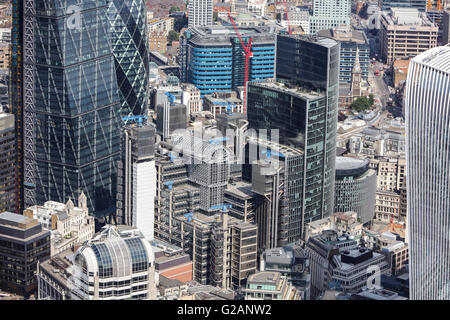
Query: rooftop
pixel 220 34
pixel 407 17
pixel 323 41
pixel 345 36
pixel 346 166
pixel 301 92
pixel 437 58
pixel 16 220
pixel 284 255
pixel 378 294
pixel 265 277
pixel 240 189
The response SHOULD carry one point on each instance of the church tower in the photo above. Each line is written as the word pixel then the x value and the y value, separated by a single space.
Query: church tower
pixel 356 76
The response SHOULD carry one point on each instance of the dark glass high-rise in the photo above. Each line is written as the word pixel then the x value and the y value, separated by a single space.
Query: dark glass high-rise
pixel 302 104
pixel 70 110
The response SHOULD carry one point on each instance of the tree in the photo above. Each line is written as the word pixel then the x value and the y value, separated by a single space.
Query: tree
pixel 371 100
pixel 174 9
pixel 215 16
pixel 180 23
pixel 360 104
pixel 279 16
pixel 173 36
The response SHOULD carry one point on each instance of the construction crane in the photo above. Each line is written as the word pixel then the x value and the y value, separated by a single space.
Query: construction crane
pixel 248 54
pixel 269 153
pixel 217 140
pixel 139 119
pixel 224 207
pixel 169 185
pixel 189 216
pixel 171 98
pixel 172 157
pixel 287 16
pixel 229 106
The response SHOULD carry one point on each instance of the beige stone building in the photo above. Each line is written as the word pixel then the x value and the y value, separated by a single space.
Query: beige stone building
pixel 69 225
pixel 163 25
pixel 396 252
pixel 387 205
pixel 391 177
pixel 391 173
pixel 157 41
pixel 342 222
pixel 406 32
pixel 4 56
pixel 270 285
pixel 218 102
pixel 191 97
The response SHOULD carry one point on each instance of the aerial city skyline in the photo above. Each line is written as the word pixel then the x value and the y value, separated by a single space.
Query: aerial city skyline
pixel 224 150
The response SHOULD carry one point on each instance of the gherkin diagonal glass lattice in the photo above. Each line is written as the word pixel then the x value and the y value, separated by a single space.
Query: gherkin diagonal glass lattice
pixel 129 38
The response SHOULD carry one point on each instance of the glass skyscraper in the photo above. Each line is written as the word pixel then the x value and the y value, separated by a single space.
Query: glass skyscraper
pixel 129 39
pixel 427 106
pixel 70 113
pixel 304 110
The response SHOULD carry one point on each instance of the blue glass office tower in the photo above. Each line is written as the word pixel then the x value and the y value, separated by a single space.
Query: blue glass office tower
pixel 129 38
pixel 352 44
pixel 70 108
pixel 212 57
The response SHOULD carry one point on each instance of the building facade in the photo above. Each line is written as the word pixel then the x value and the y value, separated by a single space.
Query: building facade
pixel 200 13
pixel 136 190
pixel 69 225
pixel 129 40
pixel 406 32
pixel 114 265
pixel 330 14
pixel 23 243
pixel 389 4
pixel 7 159
pixel 304 110
pixel 270 285
pixel 428 85
pixel 446 27
pixel 66 105
pixel 355 188
pixel 212 58
pixel 387 206
pixel 353 43
pixel 277 182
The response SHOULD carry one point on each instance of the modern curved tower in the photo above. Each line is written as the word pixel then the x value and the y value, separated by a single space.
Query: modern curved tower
pixel 427 104
pixel 129 38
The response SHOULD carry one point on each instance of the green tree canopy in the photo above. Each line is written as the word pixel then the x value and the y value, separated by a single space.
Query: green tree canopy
pixel 174 9
pixel 173 36
pixel 361 104
pixel 180 23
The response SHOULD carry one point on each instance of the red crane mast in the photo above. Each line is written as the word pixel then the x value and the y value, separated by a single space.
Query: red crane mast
pixel 287 16
pixel 248 54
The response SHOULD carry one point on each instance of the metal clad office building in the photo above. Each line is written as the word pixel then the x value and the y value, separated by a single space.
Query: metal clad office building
pixel 427 104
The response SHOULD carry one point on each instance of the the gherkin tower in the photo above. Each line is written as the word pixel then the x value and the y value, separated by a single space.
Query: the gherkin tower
pixel 129 38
